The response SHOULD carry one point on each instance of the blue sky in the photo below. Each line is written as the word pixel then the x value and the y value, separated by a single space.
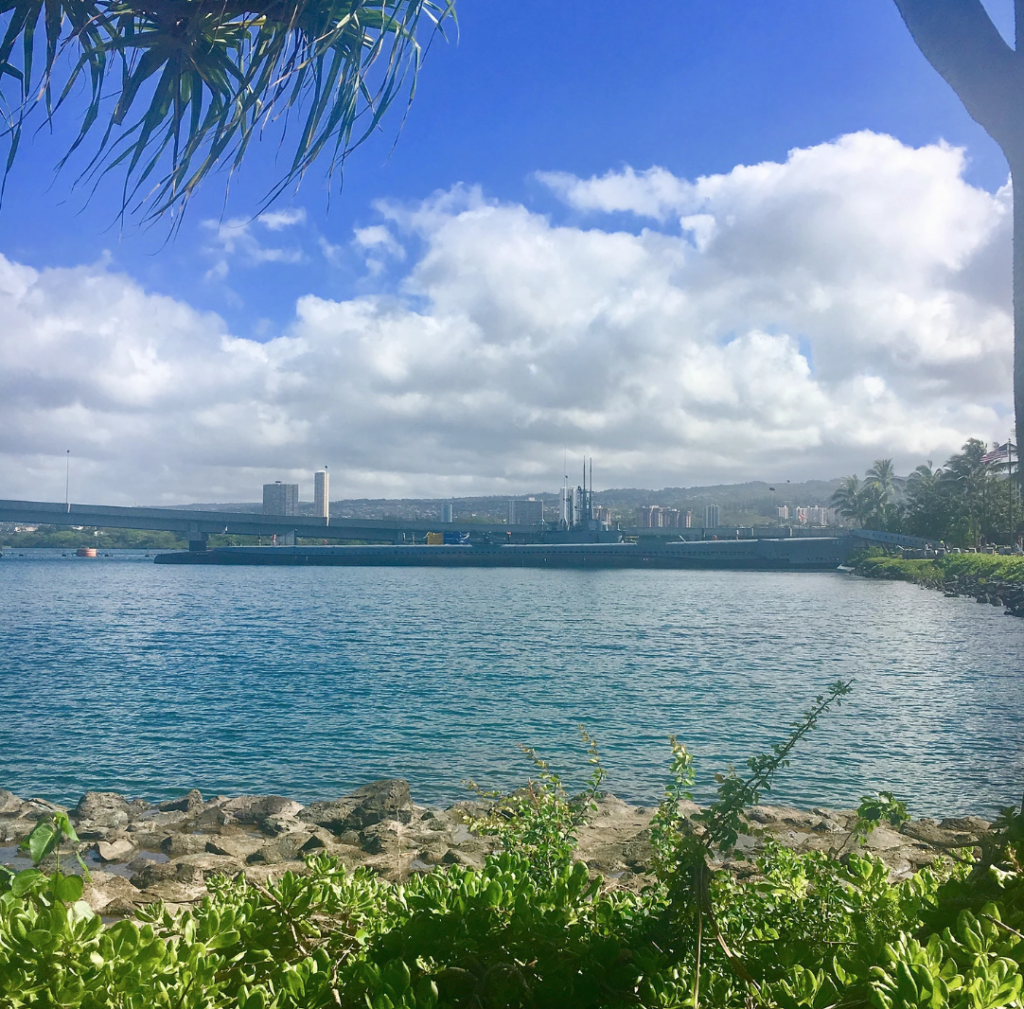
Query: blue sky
pixel 695 88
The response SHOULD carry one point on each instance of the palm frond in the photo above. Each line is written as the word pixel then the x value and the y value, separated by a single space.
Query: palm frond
pixel 198 80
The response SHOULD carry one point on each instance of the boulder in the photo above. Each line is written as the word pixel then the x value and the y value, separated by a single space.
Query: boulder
pixel 188 803
pixel 966 824
pixel 10 804
pixel 388 799
pixel 883 839
pixel 382 839
pixel 283 823
pixel 110 894
pixel 433 854
pixel 114 851
pixel 191 870
pixel 467 859
pixel 177 845
pixel 99 813
pixel 286 848
pixel 153 822
pixel 239 847
pixel 638 852
pixel 254 808
pixel 171 892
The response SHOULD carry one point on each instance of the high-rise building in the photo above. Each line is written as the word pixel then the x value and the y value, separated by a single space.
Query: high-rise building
pixel 687 520
pixel 280 498
pixel 783 511
pixel 648 517
pixel 321 494
pixel 528 512
pixel 448 512
pixel 711 516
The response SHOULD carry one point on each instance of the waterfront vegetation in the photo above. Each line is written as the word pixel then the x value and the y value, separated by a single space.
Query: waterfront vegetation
pixel 61 538
pixel 979 569
pixel 972 498
pixel 534 928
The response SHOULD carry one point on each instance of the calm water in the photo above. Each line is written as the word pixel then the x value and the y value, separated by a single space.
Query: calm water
pixel 116 673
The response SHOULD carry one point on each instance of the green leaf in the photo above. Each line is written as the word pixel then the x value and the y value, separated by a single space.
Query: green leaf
pixel 26 881
pixel 42 841
pixel 223 939
pixel 67 888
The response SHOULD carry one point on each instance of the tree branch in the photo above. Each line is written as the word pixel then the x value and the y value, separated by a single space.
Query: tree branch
pixel 960 41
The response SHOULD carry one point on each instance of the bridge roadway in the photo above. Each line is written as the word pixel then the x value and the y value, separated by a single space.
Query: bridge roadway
pixel 197 526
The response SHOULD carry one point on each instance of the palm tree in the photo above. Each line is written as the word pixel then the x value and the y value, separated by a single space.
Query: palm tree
pixel 962 43
pixel 883 477
pixel 847 498
pixel 196 81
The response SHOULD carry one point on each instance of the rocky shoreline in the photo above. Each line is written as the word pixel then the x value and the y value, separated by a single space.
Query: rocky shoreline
pixel 992 591
pixel 139 853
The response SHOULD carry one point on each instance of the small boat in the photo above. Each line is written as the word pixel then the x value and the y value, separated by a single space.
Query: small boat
pixel 86 552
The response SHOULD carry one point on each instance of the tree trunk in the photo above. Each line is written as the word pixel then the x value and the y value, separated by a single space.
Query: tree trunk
pixel 1017 173
pixel 960 41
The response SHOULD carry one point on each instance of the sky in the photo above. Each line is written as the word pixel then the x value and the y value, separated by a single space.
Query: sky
pixel 701 242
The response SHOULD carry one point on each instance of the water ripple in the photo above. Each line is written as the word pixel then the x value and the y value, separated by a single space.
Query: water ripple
pixel 119 674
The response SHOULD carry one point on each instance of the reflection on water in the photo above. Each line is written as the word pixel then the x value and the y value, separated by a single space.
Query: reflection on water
pixel 308 682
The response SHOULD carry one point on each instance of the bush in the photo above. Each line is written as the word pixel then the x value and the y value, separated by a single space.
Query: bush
pixel 534 928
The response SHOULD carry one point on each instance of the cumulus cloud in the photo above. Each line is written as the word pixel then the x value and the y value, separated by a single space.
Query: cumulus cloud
pixel 781 320
pixel 239 237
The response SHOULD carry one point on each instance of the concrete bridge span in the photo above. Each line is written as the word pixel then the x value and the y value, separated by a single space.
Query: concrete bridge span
pixel 198 526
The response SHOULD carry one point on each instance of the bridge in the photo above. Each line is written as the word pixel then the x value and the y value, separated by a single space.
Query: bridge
pixel 197 526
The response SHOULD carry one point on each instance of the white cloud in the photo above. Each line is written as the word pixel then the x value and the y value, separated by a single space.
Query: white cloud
pixel 238 237
pixel 790 319
pixel 277 220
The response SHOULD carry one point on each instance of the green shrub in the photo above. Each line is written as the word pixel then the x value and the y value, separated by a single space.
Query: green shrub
pixel 533 928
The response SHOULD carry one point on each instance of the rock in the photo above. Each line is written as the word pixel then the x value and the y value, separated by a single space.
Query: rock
pixel 638 853
pixel 467 859
pixel 109 894
pixel 882 839
pixel 254 808
pixel 211 819
pixel 285 848
pixel 188 803
pixel 150 873
pixel 778 817
pixel 9 803
pixel 156 822
pixel 350 837
pixel 208 864
pixel 273 826
pixel 98 813
pixel 966 824
pixel 263 874
pixel 433 854
pixel 114 851
pixel 190 870
pixel 172 892
pixel 177 845
pixel 382 840
pixel 467 810
pixel 388 799
pixel 239 847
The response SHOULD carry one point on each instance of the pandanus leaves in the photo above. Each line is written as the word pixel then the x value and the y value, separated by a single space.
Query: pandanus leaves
pixel 195 81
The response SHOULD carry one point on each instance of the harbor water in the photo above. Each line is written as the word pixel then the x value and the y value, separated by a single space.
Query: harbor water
pixel 119 674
